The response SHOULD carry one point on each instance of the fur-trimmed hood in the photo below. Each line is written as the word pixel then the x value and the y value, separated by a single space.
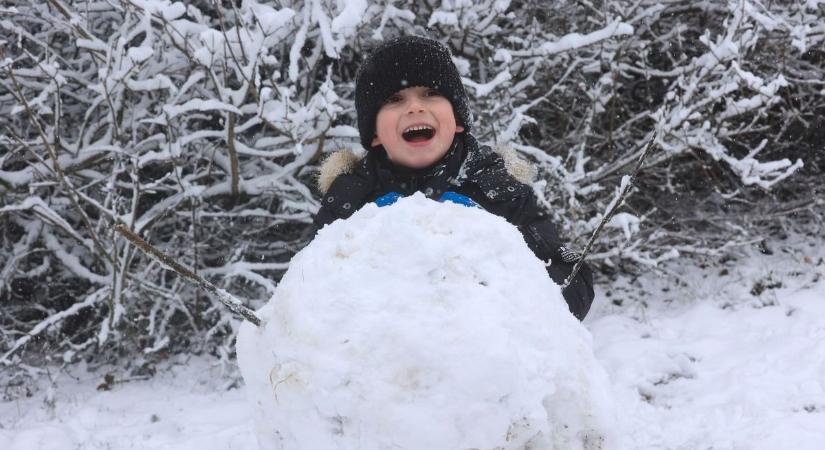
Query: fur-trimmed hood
pixel 344 161
pixel 338 163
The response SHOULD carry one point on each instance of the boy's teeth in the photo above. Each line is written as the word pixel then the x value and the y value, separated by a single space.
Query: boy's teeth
pixel 417 128
pixel 418 133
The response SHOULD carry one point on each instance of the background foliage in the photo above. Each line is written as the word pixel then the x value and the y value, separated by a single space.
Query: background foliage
pixel 200 125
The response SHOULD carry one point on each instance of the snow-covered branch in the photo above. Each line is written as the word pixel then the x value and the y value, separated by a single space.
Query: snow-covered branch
pixel 200 126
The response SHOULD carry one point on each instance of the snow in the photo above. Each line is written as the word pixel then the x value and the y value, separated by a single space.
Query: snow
pixel 391 13
pixel 343 131
pixel 270 19
pixel 94 45
pixel 297 45
pixel 628 223
pixel 577 40
pixel 443 18
pixel 350 17
pixel 331 45
pixel 151 84
pixel 184 408
pixel 174 11
pixel 482 90
pixel 139 54
pixel 671 361
pixel 199 105
pixel 732 357
pixel 163 8
pixel 395 328
pixel 740 366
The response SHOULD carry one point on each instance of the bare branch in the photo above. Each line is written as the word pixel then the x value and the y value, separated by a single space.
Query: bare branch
pixel 224 297
pixel 614 205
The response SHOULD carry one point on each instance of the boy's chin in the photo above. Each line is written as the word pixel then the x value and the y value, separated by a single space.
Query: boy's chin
pixel 418 157
pixel 420 145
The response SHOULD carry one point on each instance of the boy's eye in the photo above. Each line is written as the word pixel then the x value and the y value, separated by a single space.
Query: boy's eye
pixel 395 98
pixel 433 93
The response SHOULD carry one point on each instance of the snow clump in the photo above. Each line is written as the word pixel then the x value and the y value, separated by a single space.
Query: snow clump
pixel 422 325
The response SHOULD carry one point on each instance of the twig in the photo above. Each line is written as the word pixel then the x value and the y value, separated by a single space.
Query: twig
pixel 611 210
pixel 233 153
pixel 224 297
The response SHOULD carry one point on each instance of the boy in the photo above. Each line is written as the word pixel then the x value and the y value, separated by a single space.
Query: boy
pixel 414 121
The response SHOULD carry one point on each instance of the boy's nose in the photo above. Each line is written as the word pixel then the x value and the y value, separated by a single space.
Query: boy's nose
pixel 414 105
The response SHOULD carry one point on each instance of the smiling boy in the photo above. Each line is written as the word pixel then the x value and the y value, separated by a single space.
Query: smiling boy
pixel 416 127
pixel 414 121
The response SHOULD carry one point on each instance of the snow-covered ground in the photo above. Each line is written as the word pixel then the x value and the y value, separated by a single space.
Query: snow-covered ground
pixel 730 357
pixel 183 407
pixel 713 364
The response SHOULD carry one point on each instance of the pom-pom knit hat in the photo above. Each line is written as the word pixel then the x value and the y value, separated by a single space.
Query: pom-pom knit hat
pixel 401 63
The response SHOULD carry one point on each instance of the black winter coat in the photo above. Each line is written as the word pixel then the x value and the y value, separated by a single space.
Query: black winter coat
pixel 478 173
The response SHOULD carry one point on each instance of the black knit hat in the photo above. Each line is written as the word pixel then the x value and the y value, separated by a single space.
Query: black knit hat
pixel 401 63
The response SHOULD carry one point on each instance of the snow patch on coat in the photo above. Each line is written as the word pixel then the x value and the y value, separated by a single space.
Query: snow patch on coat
pixel 343 161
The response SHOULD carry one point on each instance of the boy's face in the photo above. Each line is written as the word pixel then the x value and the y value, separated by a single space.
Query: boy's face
pixel 416 126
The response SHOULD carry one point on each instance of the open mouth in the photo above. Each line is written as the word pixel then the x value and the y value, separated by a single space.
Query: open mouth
pixel 418 133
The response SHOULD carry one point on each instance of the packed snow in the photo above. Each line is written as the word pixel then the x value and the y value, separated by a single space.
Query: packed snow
pixel 731 356
pixel 422 325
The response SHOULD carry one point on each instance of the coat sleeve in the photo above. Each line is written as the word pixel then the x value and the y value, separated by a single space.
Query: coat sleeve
pixel 501 194
pixel 543 240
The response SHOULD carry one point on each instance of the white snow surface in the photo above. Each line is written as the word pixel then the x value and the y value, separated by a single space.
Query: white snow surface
pixel 422 325
pixel 709 362
pixel 184 407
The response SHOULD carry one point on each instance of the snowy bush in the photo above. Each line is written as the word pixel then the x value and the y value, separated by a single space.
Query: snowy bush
pixel 199 125
pixel 422 325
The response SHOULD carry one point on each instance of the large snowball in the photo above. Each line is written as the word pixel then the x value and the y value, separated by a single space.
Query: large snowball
pixel 422 326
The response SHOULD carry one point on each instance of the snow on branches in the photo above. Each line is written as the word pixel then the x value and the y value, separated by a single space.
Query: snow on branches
pixel 199 126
